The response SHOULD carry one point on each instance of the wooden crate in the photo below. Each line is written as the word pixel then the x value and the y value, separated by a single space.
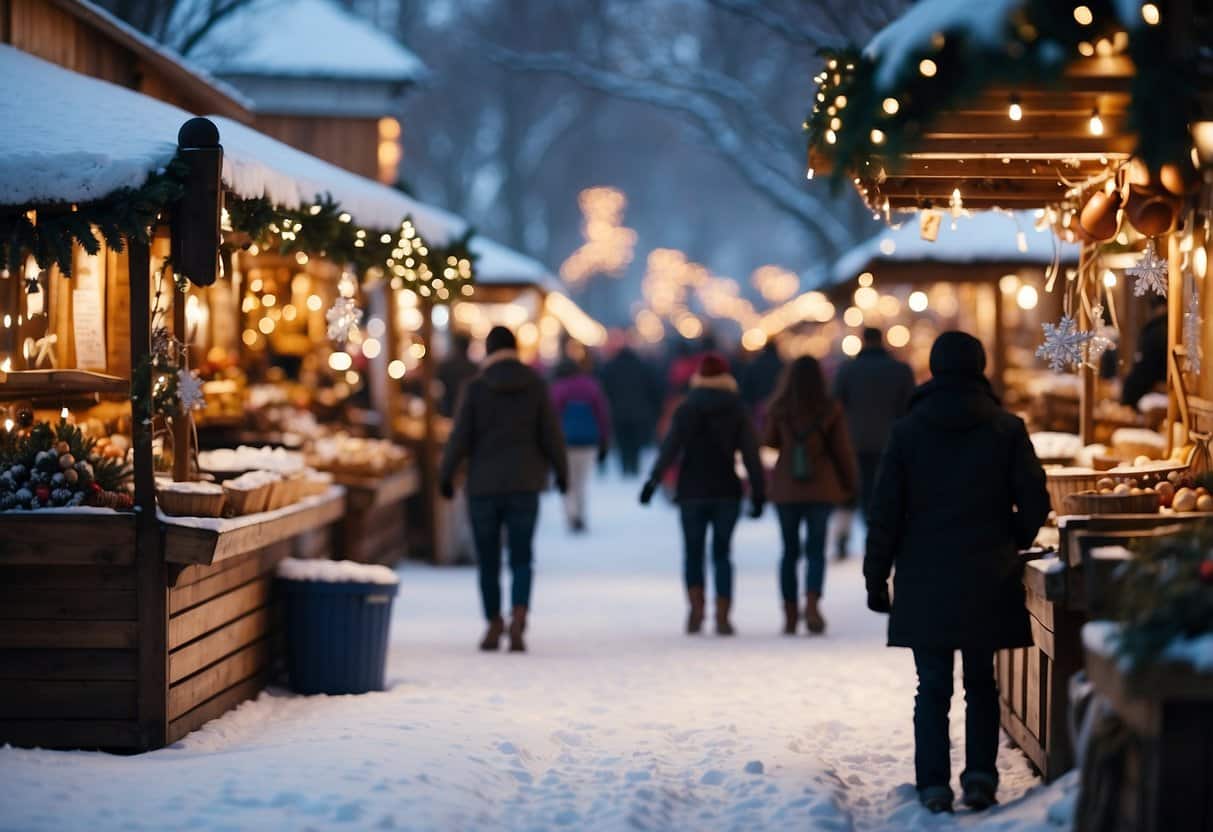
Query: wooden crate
pixel 1163 778
pixel 106 644
pixel 1033 681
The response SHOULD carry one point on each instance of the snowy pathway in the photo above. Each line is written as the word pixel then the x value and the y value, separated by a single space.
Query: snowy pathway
pixel 613 721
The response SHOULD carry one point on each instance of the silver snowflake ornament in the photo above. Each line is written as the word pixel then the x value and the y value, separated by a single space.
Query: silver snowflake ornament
pixel 1150 274
pixel 189 390
pixel 343 318
pixel 1064 345
pixel 1103 337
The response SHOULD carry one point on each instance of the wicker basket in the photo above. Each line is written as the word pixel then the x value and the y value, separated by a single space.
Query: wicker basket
pixel 190 503
pixel 1146 503
pixel 1062 482
pixel 241 501
pixel 315 484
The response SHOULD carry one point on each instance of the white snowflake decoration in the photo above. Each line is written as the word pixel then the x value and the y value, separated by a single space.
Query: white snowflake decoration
pixel 1103 337
pixel 1150 274
pixel 1064 345
pixel 189 390
pixel 343 318
pixel 1193 324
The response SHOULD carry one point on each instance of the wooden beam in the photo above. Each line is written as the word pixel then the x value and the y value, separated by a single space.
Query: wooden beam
pixel 961 168
pixel 1017 147
pixel 997 100
pixel 1038 190
pixel 1031 127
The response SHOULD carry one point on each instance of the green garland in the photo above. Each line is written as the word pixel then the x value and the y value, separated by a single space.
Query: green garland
pixel 1039 41
pixel 128 213
pixel 443 274
pixel 1165 594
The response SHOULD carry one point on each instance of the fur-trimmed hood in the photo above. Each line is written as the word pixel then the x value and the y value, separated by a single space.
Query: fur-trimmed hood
pixel 724 382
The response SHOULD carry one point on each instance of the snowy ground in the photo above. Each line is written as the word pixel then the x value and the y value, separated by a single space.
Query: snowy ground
pixel 614 720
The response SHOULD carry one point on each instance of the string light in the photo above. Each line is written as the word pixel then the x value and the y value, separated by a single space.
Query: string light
pixel 1150 14
pixel 809 174
pixel 1083 15
pixel 918 301
pixel 1085 49
pixel 609 245
pixel 1015 111
pixel 1096 124
pixel 1027 297
pixel 877 137
pixel 1109 278
pixel 927 67
pixel 891 106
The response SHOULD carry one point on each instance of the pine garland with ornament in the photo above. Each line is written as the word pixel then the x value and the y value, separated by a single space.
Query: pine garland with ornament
pixel 863 126
pixel 57 465
pixel 1166 595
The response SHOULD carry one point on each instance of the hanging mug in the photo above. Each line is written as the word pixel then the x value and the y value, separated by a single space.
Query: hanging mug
pixel 1150 208
pixel 1097 220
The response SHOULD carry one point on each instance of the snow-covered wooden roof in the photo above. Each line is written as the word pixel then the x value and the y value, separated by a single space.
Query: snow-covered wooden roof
pixel 301 39
pixel 985 237
pixel 497 265
pixel 71 138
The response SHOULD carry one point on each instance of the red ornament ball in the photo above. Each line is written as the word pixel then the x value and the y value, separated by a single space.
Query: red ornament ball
pixel 95 487
pixel 1205 571
pixel 42 493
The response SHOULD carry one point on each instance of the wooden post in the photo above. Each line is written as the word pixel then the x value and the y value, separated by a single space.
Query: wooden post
pixel 151 573
pixel 429 441
pixel 181 421
pixel 1000 342
pixel 1175 319
pixel 1086 394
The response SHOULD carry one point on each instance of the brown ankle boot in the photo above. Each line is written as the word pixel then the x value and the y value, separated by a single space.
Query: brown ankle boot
pixel 723 626
pixel 517 628
pixel 812 615
pixel 791 616
pixel 492 636
pixel 695 615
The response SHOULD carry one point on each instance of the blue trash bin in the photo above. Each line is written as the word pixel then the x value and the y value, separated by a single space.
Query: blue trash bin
pixel 337 635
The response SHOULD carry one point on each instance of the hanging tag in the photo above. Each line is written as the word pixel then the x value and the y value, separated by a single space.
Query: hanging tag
pixel 928 225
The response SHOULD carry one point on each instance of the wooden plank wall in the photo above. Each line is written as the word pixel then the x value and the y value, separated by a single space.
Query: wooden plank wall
pixel 351 143
pixel 223 636
pixel 52 34
pixel 68 656
pixel 375 535
pixel 1033 685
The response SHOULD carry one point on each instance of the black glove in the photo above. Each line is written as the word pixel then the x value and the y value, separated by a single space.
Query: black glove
pixel 646 493
pixel 562 485
pixel 756 508
pixel 603 449
pixel 447 489
pixel 878 598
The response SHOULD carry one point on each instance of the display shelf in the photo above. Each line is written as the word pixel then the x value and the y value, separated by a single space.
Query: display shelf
pixel 366 493
pixel 25 384
pixel 204 540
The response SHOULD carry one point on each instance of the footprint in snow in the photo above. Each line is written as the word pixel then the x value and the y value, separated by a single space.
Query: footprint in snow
pixel 754 767
pixel 712 778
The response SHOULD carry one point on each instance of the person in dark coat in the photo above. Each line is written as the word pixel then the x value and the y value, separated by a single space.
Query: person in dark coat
pixel 759 378
pixel 959 492
pixel 507 430
pixel 634 392
pixel 455 370
pixel 708 429
pixel 1149 368
pixel 815 472
pixel 874 388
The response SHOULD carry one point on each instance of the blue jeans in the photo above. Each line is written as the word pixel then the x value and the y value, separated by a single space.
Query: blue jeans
pixel 932 760
pixel 697 516
pixel 516 514
pixel 791 517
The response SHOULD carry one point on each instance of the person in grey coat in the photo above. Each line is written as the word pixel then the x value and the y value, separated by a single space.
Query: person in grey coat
pixel 507 430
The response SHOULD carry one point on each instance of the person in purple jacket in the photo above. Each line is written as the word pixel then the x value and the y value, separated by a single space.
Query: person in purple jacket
pixel 585 419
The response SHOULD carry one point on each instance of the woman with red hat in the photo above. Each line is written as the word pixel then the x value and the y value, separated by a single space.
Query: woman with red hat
pixel 709 428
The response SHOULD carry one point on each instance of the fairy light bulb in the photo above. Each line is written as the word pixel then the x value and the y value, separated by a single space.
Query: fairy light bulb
pixel 63 414
pixel 809 174
pixel 1083 15
pixel 1150 14
pixel 928 68
pixel 1096 124
pixel 877 137
pixel 1015 111
pixel 891 106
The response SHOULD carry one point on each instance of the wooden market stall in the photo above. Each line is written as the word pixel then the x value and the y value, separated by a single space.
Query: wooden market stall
pixel 984 273
pixel 127 625
pixel 1097 115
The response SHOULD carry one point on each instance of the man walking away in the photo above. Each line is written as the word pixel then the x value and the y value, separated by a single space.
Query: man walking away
pixel 708 430
pixel 874 389
pixel 633 389
pixel 506 429
pixel 586 422
pixel 455 370
pixel 960 490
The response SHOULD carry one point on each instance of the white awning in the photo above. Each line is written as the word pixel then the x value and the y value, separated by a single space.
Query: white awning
pixel 498 265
